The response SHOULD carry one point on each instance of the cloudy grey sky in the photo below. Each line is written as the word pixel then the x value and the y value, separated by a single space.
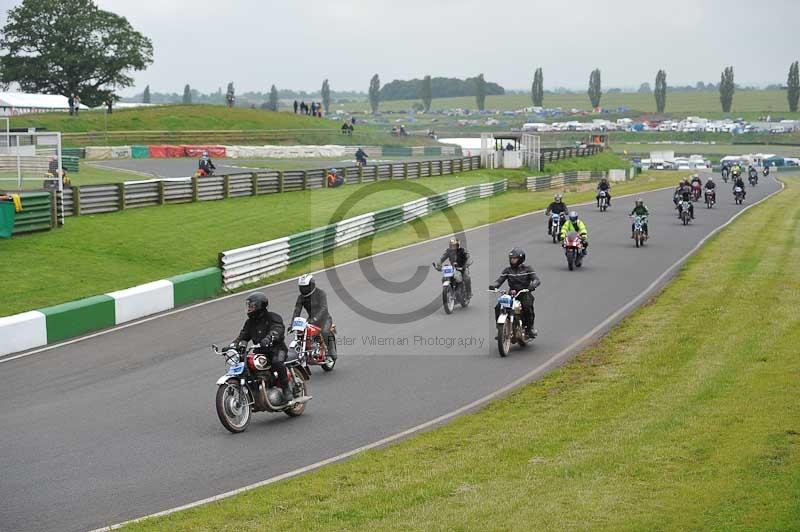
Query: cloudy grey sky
pixel 292 44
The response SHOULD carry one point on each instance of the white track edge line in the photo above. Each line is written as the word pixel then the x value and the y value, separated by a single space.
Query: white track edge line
pixel 470 406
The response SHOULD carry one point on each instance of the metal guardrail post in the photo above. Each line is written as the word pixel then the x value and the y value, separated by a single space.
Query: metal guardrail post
pixel 254 183
pixel 405 170
pixel 161 195
pixel 280 181
pixel 76 201
pixel 226 186
pixel 305 179
pixel 121 196
pixel 195 189
pixel 360 174
pixel 53 210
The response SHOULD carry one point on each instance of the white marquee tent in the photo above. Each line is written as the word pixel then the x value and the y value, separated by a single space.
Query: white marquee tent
pixel 17 103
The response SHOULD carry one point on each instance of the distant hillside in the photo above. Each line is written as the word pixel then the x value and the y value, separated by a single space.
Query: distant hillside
pixel 172 118
pixel 440 88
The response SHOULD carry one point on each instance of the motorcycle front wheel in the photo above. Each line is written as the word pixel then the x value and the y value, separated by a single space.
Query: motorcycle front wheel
pixel 448 299
pixel 571 260
pixel 300 385
pixel 504 338
pixel 233 410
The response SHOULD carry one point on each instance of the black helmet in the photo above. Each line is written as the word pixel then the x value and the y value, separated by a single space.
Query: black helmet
pixel 306 284
pixel 516 253
pixel 256 303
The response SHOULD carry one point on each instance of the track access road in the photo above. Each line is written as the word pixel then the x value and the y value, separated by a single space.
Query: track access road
pixel 122 424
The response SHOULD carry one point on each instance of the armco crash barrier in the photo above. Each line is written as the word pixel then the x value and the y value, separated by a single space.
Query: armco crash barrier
pixel 544 182
pixel 251 263
pixel 60 322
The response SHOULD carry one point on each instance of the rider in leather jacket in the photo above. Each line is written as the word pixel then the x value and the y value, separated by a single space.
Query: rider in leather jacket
pixel 458 257
pixel 315 301
pixel 519 276
pixel 265 330
pixel 558 207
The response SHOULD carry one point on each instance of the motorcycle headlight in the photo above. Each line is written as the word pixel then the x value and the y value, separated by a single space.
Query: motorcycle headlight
pixel 260 362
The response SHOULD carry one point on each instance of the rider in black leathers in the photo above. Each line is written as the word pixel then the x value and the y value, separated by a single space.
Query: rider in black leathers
pixel 315 301
pixel 519 276
pixel 265 330
pixel 557 206
pixel 606 186
pixel 683 193
pixel 739 182
pixel 458 257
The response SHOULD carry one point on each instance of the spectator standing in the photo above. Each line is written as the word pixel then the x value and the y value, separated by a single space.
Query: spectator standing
pixel 295 106
pixel 110 104
pixel 77 104
pixel 71 104
pixel 313 109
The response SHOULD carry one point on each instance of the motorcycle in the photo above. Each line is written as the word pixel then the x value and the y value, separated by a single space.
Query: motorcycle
pixel 556 221
pixel 309 344
pixel 453 288
pixel 753 178
pixel 711 198
pixel 639 235
pixel 765 172
pixel 509 323
pixel 603 200
pixel 250 385
pixel 738 195
pixel 574 250
pixel 725 174
pixel 686 215
pixel 697 188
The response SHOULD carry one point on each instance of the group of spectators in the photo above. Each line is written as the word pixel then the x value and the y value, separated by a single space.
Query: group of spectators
pixel 348 126
pixel 74 103
pixel 315 109
pixel 399 131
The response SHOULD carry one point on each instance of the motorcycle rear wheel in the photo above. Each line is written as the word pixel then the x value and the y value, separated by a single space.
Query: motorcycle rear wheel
pixel 233 413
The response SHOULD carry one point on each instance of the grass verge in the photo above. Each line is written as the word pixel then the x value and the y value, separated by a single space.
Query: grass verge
pixel 96 254
pixel 659 426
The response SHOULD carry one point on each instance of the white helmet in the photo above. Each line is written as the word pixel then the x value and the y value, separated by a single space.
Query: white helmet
pixel 307 284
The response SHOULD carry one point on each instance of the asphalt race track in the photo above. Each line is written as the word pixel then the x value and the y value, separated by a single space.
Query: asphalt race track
pixel 123 424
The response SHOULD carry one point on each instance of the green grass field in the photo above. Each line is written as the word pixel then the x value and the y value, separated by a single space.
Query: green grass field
pixel 748 104
pixel 659 426
pixel 99 253
pixel 190 124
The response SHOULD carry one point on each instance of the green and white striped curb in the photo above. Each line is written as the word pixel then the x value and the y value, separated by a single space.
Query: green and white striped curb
pixel 250 263
pixel 60 322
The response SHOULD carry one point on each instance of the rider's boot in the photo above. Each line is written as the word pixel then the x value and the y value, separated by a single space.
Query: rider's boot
pixel 288 396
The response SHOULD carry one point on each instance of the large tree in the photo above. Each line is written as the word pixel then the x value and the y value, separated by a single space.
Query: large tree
pixel 426 93
pixel 661 91
pixel 537 88
pixel 187 95
pixel 480 92
pixel 273 98
pixel 374 93
pixel 793 87
pixel 726 89
pixel 71 47
pixel 326 96
pixel 146 95
pixel 595 88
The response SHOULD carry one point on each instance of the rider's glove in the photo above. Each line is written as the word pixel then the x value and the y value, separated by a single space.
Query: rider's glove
pixel 492 287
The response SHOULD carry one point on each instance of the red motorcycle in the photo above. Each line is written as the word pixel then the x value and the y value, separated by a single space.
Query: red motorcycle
pixel 697 188
pixel 310 345
pixel 573 249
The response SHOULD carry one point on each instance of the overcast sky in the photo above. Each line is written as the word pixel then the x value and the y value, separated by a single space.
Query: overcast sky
pixel 256 43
